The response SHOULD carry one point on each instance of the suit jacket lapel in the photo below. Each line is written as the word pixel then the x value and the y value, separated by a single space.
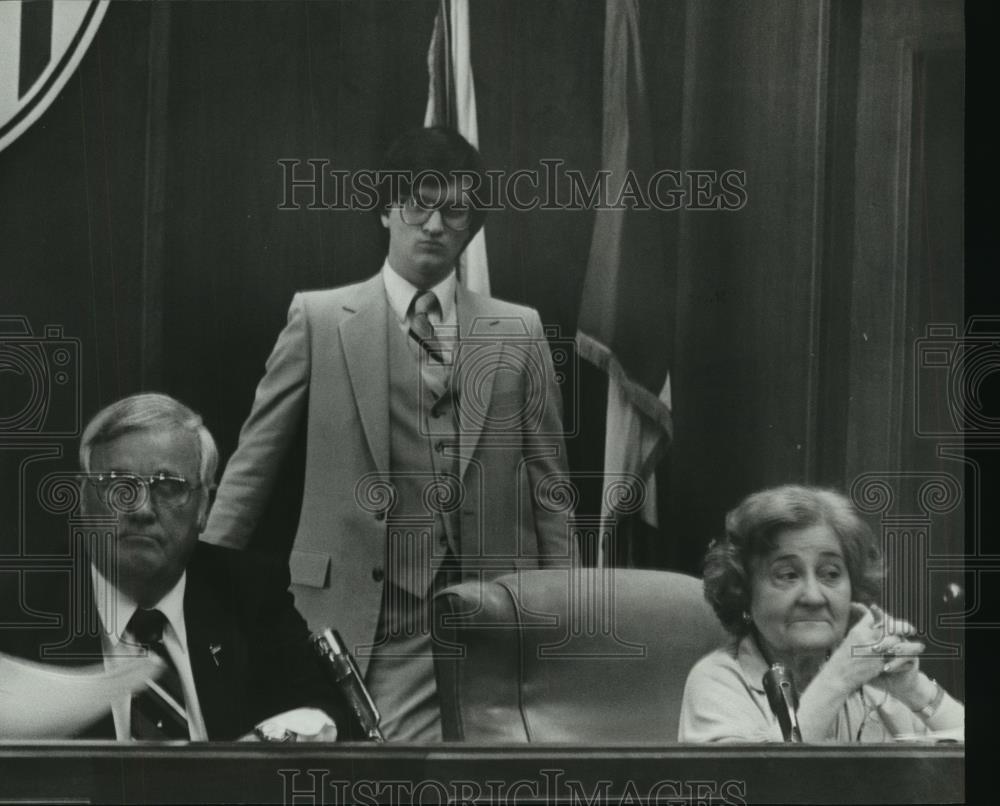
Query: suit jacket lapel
pixel 216 658
pixel 476 331
pixel 365 342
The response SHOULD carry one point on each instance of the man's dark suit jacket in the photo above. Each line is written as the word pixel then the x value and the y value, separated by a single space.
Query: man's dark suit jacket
pixel 248 645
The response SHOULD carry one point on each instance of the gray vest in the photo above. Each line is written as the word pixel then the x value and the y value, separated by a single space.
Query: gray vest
pixel 423 459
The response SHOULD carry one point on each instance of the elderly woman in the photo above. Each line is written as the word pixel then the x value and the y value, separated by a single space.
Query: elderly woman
pixel 795 581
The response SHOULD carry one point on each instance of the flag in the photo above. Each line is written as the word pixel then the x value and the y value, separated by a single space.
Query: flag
pixel 451 101
pixel 626 323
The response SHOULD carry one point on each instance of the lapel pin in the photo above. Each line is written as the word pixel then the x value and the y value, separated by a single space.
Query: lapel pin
pixel 215 649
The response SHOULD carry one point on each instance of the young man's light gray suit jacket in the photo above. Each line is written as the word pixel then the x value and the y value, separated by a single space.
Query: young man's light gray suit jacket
pixel 330 365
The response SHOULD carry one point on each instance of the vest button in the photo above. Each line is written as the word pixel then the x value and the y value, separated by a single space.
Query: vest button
pixel 439 447
pixel 380 516
pixel 378 574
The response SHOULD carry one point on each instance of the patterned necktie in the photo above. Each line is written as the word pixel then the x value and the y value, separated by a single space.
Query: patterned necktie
pixel 421 330
pixel 157 711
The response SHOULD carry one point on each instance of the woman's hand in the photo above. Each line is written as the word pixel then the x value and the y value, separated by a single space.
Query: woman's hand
pixel 875 650
pixel 901 675
pixel 876 646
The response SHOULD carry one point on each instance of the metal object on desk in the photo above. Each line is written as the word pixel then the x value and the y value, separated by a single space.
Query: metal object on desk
pixel 341 665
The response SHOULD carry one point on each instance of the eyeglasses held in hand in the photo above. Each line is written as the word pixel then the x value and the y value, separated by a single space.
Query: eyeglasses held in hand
pixel 129 492
pixel 872 727
pixel 415 213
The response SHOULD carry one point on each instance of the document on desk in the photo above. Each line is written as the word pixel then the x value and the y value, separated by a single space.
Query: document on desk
pixel 40 701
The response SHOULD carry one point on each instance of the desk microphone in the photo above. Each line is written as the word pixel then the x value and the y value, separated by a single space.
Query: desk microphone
pixel 783 700
pixel 340 664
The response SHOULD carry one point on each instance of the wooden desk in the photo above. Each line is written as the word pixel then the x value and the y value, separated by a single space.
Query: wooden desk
pixel 77 772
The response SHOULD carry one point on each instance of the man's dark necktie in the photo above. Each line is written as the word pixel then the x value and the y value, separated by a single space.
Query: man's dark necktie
pixel 154 716
pixel 421 329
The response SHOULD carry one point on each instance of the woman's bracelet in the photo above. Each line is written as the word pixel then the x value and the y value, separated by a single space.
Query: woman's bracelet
pixel 931 708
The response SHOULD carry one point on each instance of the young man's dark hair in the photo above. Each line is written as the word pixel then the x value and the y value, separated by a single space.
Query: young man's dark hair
pixel 438 154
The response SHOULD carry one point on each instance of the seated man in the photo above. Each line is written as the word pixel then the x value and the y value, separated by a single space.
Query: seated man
pixel 234 648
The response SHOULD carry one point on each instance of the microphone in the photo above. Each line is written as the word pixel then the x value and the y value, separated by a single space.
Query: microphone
pixel 340 664
pixel 783 700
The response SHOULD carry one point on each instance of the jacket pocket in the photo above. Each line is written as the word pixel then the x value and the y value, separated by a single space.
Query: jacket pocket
pixel 309 568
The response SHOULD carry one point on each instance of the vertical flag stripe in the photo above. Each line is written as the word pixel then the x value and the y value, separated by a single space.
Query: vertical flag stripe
pixel 440 90
pixel 626 315
pixel 451 101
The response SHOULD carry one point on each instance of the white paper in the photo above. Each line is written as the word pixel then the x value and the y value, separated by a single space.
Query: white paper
pixel 39 701
pixel 298 725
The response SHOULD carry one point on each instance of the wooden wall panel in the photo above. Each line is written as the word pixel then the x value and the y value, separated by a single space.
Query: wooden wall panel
pixel 892 35
pixel 747 286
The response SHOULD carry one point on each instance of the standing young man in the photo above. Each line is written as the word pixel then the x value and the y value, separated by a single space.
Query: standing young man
pixel 433 436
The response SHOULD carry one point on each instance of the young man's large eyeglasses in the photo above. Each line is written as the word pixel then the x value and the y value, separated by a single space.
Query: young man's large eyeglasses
pixel 129 492
pixel 415 212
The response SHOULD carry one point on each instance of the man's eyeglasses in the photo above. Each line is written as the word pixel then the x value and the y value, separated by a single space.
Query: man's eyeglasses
pixel 416 212
pixel 128 492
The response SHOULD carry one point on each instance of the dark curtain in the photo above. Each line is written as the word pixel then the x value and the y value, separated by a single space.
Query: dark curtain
pixel 141 220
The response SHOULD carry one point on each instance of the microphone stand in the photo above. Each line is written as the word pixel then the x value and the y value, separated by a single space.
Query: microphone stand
pixel 340 664
pixel 783 700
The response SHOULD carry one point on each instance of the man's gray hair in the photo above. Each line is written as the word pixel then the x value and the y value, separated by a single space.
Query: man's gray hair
pixel 150 412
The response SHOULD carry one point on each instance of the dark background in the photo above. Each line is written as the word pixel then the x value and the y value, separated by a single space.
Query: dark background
pixel 140 215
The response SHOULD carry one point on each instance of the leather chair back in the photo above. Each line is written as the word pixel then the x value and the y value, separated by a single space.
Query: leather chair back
pixel 594 655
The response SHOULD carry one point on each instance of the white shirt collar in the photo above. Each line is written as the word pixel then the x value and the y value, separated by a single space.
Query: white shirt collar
pixel 400 292
pixel 116 608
